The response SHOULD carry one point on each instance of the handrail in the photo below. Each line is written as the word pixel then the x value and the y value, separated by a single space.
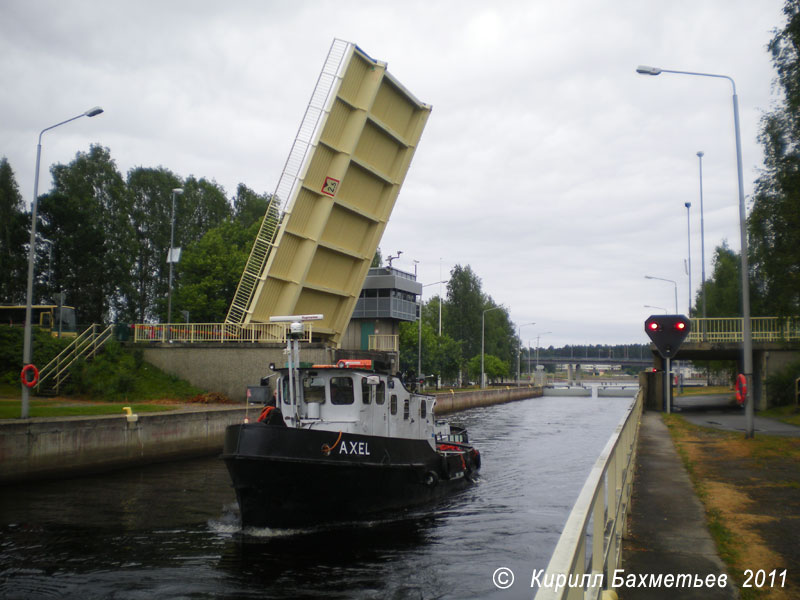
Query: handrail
pixel 85 345
pixel 195 333
pixel 384 342
pixel 602 504
pixel 729 329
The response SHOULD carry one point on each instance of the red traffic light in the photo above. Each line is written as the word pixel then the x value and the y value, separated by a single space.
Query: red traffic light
pixel 667 332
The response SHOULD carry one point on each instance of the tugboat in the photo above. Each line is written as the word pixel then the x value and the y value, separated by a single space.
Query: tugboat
pixel 341 442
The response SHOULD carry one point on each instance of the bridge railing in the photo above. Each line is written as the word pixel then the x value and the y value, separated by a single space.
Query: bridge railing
pixel 196 333
pixel 765 329
pixel 597 521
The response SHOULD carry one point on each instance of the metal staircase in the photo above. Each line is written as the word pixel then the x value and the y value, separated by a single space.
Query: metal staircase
pixel 289 182
pixel 86 345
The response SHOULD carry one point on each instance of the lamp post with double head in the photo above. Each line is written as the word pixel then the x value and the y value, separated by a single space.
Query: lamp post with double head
pixel 26 342
pixel 673 282
pixel 747 336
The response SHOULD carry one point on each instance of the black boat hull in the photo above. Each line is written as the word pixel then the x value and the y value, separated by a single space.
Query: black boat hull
pixel 286 477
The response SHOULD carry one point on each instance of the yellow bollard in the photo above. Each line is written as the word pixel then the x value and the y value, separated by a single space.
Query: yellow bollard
pixel 132 418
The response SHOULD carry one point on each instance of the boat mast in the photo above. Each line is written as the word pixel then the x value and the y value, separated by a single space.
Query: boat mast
pixel 296 330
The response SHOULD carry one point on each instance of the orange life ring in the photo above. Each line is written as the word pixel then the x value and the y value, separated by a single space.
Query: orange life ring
pixel 24 375
pixel 741 388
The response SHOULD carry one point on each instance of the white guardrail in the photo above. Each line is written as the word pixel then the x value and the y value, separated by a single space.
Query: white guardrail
pixel 597 520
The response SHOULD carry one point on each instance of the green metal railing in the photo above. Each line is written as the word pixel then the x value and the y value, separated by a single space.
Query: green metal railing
pixel 194 333
pixel 765 329
pixel 86 345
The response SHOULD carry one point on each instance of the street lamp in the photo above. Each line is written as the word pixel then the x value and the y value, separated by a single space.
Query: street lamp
pixel 688 206
pixel 483 327
pixel 538 335
pixel 747 337
pixel 26 343
pixel 658 307
pixel 675 283
pixel 519 347
pixel 419 327
pixel 702 246
pixel 172 258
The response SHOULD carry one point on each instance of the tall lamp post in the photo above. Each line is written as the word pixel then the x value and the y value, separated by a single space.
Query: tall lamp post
pixel 26 342
pixel 688 206
pixel 419 329
pixel 519 347
pixel 538 335
pixel 172 257
pixel 700 155
pixel 658 307
pixel 483 329
pixel 747 336
pixel 675 283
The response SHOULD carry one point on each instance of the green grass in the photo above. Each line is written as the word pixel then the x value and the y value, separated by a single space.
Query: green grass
pixel 703 390
pixel 788 414
pixel 11 408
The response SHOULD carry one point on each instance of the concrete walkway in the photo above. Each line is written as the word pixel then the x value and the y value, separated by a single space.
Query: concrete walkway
pixel 667 533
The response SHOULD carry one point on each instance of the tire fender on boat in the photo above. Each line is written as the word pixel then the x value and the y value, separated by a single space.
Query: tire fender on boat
pixel 430 479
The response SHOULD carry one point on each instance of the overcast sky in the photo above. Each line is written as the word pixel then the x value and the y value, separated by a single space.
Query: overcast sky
pixel 548 164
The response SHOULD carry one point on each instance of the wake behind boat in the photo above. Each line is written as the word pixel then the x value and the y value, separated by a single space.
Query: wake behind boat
pixel 342 441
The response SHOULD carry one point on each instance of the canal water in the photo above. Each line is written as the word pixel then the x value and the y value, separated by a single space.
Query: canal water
pixel 171 530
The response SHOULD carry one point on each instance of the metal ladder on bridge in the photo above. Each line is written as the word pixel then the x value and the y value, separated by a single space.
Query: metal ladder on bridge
pixel 288 185
pixel 86 345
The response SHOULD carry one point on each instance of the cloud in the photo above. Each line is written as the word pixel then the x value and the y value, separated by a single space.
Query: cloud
pixel 547 164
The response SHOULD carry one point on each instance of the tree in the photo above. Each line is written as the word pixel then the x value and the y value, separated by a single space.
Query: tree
pixel 150 198
pixel 86 217
pixel 465 305
pixel 494 367
pixel 210 270
pixel 723 288
pixel 248 206
pixel 14 236
pixel 440 354
pixel 774 222
pixel 201 207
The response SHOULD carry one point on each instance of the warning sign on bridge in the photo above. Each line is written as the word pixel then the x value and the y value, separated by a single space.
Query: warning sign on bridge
pixel 329 187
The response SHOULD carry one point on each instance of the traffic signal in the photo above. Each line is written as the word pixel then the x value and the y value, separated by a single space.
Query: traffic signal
pixel 667 332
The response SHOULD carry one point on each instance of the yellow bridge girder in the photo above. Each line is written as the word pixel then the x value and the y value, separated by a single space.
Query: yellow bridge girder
pixel 312 256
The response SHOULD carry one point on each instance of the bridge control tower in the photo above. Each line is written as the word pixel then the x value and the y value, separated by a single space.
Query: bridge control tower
pixel 334 197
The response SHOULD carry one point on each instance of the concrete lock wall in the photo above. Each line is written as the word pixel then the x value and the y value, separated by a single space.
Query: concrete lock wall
pixel 455 401
pixel 41 448
pixel 227 368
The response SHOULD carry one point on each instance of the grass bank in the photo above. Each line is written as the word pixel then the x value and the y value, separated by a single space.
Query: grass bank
pixel 749 488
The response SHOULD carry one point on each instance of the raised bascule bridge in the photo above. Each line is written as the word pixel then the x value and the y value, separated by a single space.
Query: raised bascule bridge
pixel 333 199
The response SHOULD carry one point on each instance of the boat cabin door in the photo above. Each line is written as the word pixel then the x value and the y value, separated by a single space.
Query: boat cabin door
pixel 380 410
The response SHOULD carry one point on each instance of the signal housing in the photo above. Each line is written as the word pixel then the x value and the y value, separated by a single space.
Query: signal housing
pixel 667 332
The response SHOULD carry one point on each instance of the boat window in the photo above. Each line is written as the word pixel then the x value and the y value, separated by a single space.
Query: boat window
pixel 405 409
pixel 380 393
pixel 285 389
pixel 365 399
pixel 314 389
pixel 393 404
pixel 342 390
pixel 423 409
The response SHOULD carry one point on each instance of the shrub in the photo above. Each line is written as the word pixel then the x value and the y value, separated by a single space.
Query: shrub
pixel 781 385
